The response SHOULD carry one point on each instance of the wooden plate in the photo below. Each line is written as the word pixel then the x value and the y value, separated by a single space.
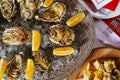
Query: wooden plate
pixel 96 53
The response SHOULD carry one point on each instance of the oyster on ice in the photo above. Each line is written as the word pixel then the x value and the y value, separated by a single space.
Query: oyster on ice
pixel 15 67
pixel 8 9
pixel 41 60
pixel 53 14
pixel 29 7
pixel 38 3
pixel 61 34
pixel 15 36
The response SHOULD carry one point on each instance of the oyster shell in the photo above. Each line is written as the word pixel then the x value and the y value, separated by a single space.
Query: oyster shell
pixel 61 34
pixel 15 36
pixel 41 60
pixel 15 67
pixel 38 3
pixel 8 9
pixel 29 7
pixel 53 14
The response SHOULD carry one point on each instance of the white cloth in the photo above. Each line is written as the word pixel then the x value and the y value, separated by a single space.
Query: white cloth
pixel 105 36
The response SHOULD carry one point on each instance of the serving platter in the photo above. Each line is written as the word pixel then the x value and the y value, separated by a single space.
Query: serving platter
pixel 61 67
pixel 105 52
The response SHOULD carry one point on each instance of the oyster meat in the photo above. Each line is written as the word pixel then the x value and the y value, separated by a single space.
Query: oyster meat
pixel 61 34
pixel 15 66
pixel 15 36
pixel 53 14
pixel 8 9
pixel 41 60
pixel 29 7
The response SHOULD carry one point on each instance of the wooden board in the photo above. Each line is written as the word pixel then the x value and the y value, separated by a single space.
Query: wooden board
pixel 96 53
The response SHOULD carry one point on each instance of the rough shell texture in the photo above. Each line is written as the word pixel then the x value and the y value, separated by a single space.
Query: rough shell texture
pixel 53 14
pixel 29 7
pixel 38 3
pixel 8 9
pixel 41 60
pixel 61 34
pixel 15 67
pixel 61 67
pixel 15 36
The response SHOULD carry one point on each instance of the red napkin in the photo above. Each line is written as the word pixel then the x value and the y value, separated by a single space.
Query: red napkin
pixel 108 21
pixel 115 29
pixel 112 5
pixel 88 1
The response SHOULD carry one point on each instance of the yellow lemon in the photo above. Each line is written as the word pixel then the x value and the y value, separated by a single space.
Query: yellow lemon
pixel 74 20
pixel 3 66
pixel 47 3
pixel 36 40
pixel 29 69
pixel 63 51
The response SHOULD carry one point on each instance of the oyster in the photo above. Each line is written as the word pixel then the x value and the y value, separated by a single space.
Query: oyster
pixel 41 60
pixel 15 36
pixel 8 9
pixel 15 66
pixel 61 34
pixel 53 14
pixel 38 3
pixel 29 7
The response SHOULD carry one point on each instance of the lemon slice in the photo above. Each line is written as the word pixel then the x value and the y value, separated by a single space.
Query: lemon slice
pixel 36 40
pixel 29 69
pixel 47 3
pixel 3 66
pixel 63 51
pixel 74 20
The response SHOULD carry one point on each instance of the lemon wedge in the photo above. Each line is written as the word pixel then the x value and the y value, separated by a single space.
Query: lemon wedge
pixel 63 51
pixel 36 40
pixel 29 69
pixel 3 66
pixel 74 20
pixel 47 3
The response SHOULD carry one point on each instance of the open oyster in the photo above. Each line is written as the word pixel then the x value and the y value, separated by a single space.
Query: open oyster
pixel 53 14
pixel 29 7
pixel 8 9
pixel 41 60
pixel 15 66
pixel 15 36
pixel 61 34
pixel 38 3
